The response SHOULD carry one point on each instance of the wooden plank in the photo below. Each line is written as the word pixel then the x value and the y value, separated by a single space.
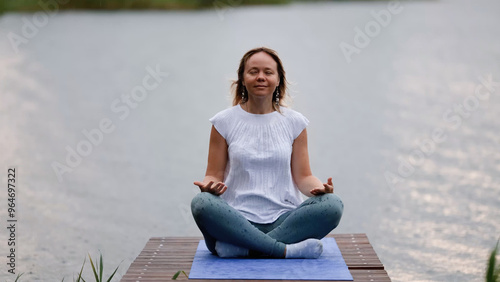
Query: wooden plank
pixel 162 257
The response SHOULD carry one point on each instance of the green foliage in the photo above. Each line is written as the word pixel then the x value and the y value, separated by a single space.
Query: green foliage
pixel 99 269
pixel 34 5
pixel 177 274
pixel 18 276
pixel 493 269
pixel 80 274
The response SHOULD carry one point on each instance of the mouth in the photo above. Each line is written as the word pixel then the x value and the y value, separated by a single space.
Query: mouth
pixel 260 86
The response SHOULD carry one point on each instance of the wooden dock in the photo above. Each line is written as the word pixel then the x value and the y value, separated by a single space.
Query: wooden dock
pixel 162 257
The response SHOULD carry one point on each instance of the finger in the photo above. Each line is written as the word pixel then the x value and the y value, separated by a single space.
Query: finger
pixel 212 189
pixel 206 187
pixel 222 190
pixel 200 185
pixel 216 189
pixel 219 189
pixel 219 185
pixel 209 185
pixel 317 191
pixel 328 188
pixel 330 181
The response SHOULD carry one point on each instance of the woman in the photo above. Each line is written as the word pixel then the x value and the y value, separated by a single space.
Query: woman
pixel 258 163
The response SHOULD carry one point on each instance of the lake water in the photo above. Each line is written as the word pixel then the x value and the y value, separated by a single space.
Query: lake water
pixel 406 124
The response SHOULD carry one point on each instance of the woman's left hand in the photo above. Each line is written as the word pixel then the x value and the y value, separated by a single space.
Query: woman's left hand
pixel 327 188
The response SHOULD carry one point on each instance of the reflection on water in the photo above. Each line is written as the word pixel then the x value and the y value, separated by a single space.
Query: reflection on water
pixel 436 224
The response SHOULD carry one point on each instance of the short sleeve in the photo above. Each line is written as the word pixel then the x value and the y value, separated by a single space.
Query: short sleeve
pixel 299 123
pixel 221 123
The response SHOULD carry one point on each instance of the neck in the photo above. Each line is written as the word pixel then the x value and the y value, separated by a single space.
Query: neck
pixel 258 106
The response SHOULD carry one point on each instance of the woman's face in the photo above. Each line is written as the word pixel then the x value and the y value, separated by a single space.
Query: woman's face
pixel 260 77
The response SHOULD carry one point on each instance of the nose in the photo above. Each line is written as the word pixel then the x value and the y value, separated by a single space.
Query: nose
pixel 261 77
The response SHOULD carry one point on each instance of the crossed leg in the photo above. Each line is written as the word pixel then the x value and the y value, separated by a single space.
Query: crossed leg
pixel 314 218
pixel 218 221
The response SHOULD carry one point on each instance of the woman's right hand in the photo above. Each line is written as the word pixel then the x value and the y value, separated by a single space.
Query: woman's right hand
pixel 217 189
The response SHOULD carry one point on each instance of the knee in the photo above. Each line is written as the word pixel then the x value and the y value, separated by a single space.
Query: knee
pixel 200 203
pixel 335 202
pixel 333 208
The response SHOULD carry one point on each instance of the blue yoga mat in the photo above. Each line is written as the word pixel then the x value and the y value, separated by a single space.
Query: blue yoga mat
pixel 329 266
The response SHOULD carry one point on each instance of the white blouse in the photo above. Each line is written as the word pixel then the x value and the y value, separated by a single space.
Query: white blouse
pixel 258 173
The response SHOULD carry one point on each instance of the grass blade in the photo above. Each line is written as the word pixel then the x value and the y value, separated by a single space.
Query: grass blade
pixel 100 270
pixel 176 275
pixel 18 276
pixel 110 277
pixel 93 269
pixel 492 270
pixel 81 271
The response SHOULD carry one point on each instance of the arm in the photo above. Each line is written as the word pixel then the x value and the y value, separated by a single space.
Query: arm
pixel 217 160
pixel 307 183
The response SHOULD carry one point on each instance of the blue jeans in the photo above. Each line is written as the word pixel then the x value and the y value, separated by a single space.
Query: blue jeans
pixel 218 221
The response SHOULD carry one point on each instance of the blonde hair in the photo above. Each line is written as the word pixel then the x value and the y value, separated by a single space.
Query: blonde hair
pixel 237 85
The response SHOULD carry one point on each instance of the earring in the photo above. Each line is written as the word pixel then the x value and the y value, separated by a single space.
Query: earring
pixel 243 94
pixel 277 97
